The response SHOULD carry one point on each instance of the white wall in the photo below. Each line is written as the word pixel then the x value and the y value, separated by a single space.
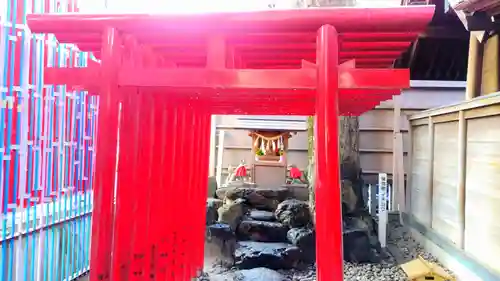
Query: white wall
pixel 376 127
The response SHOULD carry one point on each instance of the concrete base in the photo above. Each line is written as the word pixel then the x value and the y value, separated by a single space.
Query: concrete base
pixel 465 267
pixel 461 272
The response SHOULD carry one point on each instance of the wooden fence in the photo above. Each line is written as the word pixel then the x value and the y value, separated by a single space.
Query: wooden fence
pixel 454 183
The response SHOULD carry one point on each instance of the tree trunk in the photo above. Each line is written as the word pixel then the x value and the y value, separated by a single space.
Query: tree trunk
pixel 350 166
pixel 311 173
pixel 349 158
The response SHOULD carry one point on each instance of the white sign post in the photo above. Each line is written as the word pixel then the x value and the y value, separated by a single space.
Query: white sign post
pixel 382 209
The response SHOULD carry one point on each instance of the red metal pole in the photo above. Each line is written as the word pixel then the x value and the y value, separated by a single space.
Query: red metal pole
pixel 102 215
pixel 328 193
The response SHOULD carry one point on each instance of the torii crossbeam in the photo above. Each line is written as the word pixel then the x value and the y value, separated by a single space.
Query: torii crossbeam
pixel 171 72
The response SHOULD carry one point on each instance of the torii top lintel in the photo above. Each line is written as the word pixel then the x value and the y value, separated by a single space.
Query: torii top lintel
pixel 267 57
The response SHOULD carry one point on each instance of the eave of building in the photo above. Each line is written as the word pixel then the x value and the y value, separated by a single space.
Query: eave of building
pixel 479 16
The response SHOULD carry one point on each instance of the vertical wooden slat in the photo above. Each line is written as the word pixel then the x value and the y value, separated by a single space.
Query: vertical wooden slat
pixel 482 228
pixel 395 164
pixel 398 172
pixel 462 146
pixel 409 172
pixel 430 172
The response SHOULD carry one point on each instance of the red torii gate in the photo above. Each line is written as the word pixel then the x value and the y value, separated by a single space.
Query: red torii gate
pixel 171 72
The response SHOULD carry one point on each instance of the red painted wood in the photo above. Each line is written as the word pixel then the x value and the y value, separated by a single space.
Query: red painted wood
pixel 262 63
pixel 102 215
pixel 168 195
pixel 182 192
pixel 345 19
pixel 232 79
pixel 76 77
pixel 269 32
pixel 125 191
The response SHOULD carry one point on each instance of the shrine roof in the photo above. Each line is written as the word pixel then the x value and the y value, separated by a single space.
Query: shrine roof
pixel 261 41
pixel 374 37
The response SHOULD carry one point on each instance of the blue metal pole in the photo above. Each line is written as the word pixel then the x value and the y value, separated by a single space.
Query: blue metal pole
pixel 8 148
pixel 4 48
pixel 21 166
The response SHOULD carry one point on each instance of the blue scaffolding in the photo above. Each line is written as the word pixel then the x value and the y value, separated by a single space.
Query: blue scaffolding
pixel 46 153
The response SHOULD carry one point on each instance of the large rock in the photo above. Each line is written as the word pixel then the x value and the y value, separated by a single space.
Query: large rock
pixel 220 244
pixel 365 222
pixel 260 215
pixel 358 247
pixel 349 198
pixel 232 213
pixel 360 238
pixel 349 171
pixel 212 206
pixel 293 213
pixel 255 200
pixel 255 274
pixel 305 240
pixel 250 254
pixel 254 197
pixel 262 231
pixel 361 220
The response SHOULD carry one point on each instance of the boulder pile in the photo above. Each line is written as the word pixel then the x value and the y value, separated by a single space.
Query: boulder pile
pixel 254 228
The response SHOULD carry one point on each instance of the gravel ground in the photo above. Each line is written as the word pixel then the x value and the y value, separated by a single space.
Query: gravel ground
pixel 388 270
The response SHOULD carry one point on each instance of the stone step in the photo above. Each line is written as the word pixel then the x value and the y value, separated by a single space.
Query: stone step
pixel 256 274
pixel 278 193
pixel 251 254
pixel 262 231
pixel 260 215
pixel 258 198
pixel 286 191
